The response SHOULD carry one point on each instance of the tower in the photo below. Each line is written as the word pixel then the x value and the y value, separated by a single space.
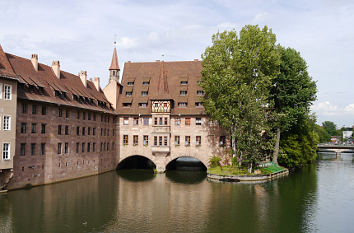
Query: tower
pixel 114 68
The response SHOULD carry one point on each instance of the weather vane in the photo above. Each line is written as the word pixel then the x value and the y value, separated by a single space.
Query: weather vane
pixel 115 40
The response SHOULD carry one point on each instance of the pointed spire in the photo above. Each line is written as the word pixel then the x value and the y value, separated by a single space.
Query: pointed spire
pixel 114 63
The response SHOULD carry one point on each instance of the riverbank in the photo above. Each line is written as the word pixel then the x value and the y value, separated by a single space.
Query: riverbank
pixel 232 174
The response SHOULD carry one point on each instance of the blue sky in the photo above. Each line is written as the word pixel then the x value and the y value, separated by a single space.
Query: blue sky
pixel 81 33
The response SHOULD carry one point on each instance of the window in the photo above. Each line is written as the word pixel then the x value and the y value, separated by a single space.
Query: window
pixel 198 140
pixel 146 82
pixel 89 116
pixel 7 92
pixel 0 91
pixel 83 131
pixel 67 114
pixel 43 128
pixel 188 141
pixel 177 140
pixel 155 120
pixel 155 140
pixel 94 116
pixel 44 110
pixel 7 123
pixel 24 108
pixel 93 147
pixel 128 93
pixel 6 151
pixel 42 152
pixel 146 120
pixel 127 104
pixel 198 104
pixel 161 120
pixel 34 109
pixel 34 128
pixel 200 92
pixel 82 147
pixel 60 112
pixel 88 130
pixel 135 140
pixel 125 139
pixel 178 121
pixel 130 83
pixel 59 129
pixel 165 140
pixel 160 140
pixel 146 140
pixel 78 115
pixel 184 82
pixel 101 131
pixel 136 121
pixel 77 147
pixel 23 149
pixel 143 105
pixel 66 148
pixel 93 131
pixel 88 147
pixel 66 130
pixel 198 121
pixel 222 141
pixel 78 130
pixel 59 148
pixel 182 104
pixel 84 115
pixel 187 121
pixel 183 93
pixel 144 93
pixel 126 121
pixel 23 127
pixel 33 148
pixel 166 121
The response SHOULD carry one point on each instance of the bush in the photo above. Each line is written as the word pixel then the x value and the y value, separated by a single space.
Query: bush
pixel 214 161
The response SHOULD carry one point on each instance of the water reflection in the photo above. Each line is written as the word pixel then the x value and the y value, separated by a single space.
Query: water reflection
pixel 317 198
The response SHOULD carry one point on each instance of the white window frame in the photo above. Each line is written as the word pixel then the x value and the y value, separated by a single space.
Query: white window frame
pixel 10 90
pixel 0 91
pixel 125 121
pixel 8 151
pixel 198 121
pixel 7 123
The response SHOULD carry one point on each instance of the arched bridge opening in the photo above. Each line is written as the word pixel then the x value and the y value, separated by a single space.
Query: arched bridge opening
pixel 136 162
pixel 186 164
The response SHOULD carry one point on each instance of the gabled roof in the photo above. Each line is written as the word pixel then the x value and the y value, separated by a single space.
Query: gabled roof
pixel 114 63
pixel 164 80
pixel 5 67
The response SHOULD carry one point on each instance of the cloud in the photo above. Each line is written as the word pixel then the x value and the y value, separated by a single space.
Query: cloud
pixel 349 109
pixel 326 109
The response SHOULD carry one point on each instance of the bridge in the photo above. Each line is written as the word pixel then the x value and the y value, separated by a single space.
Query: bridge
pixel 338 149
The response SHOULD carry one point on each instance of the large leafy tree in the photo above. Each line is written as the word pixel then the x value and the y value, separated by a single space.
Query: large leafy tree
pixel 237 74
pixel 292 94
pixel 330 127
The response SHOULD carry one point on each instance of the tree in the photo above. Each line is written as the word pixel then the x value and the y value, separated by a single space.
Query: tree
pixel 237 75
pixel 292 94
pixel 330 127
pixel 322 134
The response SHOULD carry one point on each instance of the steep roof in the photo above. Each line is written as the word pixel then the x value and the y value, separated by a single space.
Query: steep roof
pixel 114 63
pixel 5 67
pixel 43 85
pixel 164 80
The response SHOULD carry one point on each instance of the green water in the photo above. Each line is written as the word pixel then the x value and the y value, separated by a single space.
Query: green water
pixel 319 198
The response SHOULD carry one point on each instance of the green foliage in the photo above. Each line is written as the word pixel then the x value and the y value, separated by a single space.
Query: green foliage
pixel 214 161
pixel 322 134
pixel 236 77
pixel 331 128
pixel 299 146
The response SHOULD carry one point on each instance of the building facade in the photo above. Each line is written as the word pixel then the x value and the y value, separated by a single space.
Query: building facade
pixel 57 126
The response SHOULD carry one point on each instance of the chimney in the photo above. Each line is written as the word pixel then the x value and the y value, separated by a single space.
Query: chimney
pixel 96 81
pixel 34 60
pixel 56 68
pixel 83 77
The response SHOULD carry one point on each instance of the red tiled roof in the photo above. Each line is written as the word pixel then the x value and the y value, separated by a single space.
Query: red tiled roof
pixel 165 83
pixel 5 67
pixel 114 63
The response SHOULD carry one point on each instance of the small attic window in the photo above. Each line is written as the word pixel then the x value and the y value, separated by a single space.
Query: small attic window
pixel 183 93
pixel 130 83
pixel 146 82
pixel 182 104
pixel 144 93
pixel 127 104
pixel 200 92
pixel 128 93
pixel 142 105
pixel 184 82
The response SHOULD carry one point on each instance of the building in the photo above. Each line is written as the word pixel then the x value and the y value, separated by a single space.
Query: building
pixel 58 126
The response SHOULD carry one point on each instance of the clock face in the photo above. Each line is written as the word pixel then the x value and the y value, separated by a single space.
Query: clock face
pixel 161 106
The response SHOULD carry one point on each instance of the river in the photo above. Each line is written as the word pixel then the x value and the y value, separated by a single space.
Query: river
pixel 319 198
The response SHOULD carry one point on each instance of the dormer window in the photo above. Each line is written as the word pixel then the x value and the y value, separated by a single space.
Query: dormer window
pixel 198 104
pixel 146 82
pixel 144 93
pixel 127 104
pixel 130 83
pixel 182 104
pixel 200 92
pixel 184 82
pixel 128 93
pixel 183 93
pixel 142 105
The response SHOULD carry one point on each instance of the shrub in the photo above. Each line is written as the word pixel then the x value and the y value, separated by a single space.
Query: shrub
pixel 214 161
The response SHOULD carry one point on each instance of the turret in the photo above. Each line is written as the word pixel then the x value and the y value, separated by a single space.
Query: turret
pixel 114 68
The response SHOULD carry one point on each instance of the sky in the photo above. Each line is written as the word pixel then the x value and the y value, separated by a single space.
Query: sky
pixel 80 34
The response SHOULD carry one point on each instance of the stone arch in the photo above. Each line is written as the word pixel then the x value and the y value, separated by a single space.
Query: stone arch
pixel 124 161
pixel 174 158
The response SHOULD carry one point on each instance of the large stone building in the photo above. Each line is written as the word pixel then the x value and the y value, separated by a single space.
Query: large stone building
pixel 57 126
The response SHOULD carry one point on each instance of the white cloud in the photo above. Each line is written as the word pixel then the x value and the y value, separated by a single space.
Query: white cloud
pixel 349 109
pixel 326 109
